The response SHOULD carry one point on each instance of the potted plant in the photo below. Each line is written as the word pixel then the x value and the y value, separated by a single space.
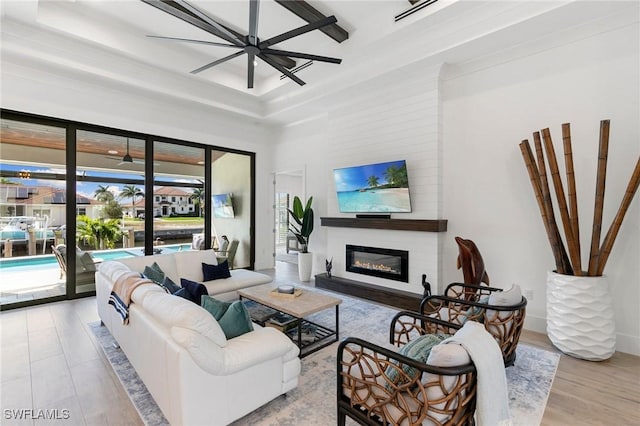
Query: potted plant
pixel 580 316
pixel 301 227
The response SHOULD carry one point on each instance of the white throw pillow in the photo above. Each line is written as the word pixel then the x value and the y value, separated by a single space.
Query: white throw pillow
pixel 444 355
pixel 448 355
pixel 510 297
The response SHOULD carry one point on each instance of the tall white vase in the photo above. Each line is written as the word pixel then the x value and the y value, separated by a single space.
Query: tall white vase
pixel 305 263
pixel 580 317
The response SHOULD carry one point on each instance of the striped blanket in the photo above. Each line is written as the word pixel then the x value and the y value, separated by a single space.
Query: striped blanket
pixel 120 296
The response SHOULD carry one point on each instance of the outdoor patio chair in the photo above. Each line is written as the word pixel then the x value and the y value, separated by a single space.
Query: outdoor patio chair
pixel 379 386
pixel 501 311
pixel 85 264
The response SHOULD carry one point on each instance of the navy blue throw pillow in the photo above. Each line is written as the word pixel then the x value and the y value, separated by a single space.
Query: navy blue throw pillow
pixel 214 272
pixel 195 290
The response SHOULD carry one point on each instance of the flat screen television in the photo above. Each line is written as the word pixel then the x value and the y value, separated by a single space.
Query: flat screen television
pixel 373 188
pixel 223 206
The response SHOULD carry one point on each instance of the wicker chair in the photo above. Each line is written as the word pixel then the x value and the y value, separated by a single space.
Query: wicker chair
pixel 504 323
pixel 436 395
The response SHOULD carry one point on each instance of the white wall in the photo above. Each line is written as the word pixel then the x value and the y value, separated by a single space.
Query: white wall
pixel 487 109
pixel 232 174
pixel 393 117
pixel 487 194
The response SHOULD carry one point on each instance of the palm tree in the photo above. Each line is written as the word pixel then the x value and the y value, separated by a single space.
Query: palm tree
pixel 100 233
pixel 372 181
pixel 103 194
pixel 130 191
pixel 397 176
pixel 197 196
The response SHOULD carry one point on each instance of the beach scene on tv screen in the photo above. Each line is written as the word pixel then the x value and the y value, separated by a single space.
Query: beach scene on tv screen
pixel 373 188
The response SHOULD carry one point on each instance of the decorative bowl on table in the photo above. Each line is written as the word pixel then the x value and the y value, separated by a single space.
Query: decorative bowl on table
pixel 286 289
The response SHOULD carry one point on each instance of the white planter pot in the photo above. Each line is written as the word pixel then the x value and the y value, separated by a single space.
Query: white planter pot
pixel 305 263
pixel 580 317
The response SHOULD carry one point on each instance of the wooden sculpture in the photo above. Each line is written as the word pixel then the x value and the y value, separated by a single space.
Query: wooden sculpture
pixel 472 265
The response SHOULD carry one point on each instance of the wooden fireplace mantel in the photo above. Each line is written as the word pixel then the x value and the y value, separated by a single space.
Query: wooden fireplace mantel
pixel 421 225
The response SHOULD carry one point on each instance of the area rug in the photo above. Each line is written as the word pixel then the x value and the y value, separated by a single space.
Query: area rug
pixel 313 401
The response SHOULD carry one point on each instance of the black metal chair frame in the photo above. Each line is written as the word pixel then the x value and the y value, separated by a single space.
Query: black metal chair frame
pixel 404 326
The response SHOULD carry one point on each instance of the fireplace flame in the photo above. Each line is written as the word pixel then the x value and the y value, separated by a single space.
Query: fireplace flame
pixel 374 266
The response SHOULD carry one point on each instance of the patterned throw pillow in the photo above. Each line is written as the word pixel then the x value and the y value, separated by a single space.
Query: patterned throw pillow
pixel 417 349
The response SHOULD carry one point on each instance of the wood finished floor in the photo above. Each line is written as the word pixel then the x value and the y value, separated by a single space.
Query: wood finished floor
pixel 50 360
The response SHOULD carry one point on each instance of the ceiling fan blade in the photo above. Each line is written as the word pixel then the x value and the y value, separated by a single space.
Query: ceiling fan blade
pixel 301 55
pixel 216 62
pixel 206 18
pixel 188 40
pixel 253 21
pixel 251 68
pixel 282 69
pixel 298 31
pixel 194 20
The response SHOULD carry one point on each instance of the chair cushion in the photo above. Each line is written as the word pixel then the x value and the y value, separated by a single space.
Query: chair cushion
pixel 215 272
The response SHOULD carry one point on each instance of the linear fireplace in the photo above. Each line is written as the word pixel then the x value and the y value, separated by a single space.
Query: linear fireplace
pixel 378 262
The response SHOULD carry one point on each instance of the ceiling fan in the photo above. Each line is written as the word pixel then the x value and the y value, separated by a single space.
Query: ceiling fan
pixel 249 44
pixel 127 158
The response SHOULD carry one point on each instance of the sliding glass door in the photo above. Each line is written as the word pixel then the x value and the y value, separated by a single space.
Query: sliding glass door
pixel 32 211
pixel 74 195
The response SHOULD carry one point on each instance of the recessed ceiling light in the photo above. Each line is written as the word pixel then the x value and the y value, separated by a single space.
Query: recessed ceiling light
pixel 200 162
pixel 112 151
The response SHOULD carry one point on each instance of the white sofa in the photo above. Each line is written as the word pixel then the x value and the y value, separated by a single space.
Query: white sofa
pixel 195 375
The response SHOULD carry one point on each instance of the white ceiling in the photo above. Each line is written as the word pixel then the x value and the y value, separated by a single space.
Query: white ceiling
pixel 107 40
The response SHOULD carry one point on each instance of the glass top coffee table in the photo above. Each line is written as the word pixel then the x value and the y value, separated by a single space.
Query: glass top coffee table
pixel 290 315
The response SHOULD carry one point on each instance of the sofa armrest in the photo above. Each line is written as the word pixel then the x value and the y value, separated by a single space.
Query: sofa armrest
pixel 257 346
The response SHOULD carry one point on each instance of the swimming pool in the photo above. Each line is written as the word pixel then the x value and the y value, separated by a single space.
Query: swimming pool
pixel 48 260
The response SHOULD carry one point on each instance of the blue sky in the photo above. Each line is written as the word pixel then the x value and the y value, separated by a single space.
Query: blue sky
pixel 354 178
pixel 83 188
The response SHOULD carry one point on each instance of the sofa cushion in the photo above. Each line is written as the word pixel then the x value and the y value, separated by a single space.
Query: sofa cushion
pixel 189 263
pixel 195 290
pixel 215 272
pixel 240 278
pixel 166 262
pixel 236 320
pixel 177 312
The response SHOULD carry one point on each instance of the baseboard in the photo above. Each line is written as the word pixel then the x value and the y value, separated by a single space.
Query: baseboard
pixel 624 342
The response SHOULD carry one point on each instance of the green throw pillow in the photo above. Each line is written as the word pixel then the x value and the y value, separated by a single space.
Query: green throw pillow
pixel 216 307
pixel 232 317
pixel 418 349
pixel 154 273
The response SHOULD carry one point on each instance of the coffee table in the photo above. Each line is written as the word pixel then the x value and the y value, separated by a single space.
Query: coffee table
pixel 300 307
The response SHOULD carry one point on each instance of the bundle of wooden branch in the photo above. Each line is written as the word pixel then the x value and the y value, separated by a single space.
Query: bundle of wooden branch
pixel 570 263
